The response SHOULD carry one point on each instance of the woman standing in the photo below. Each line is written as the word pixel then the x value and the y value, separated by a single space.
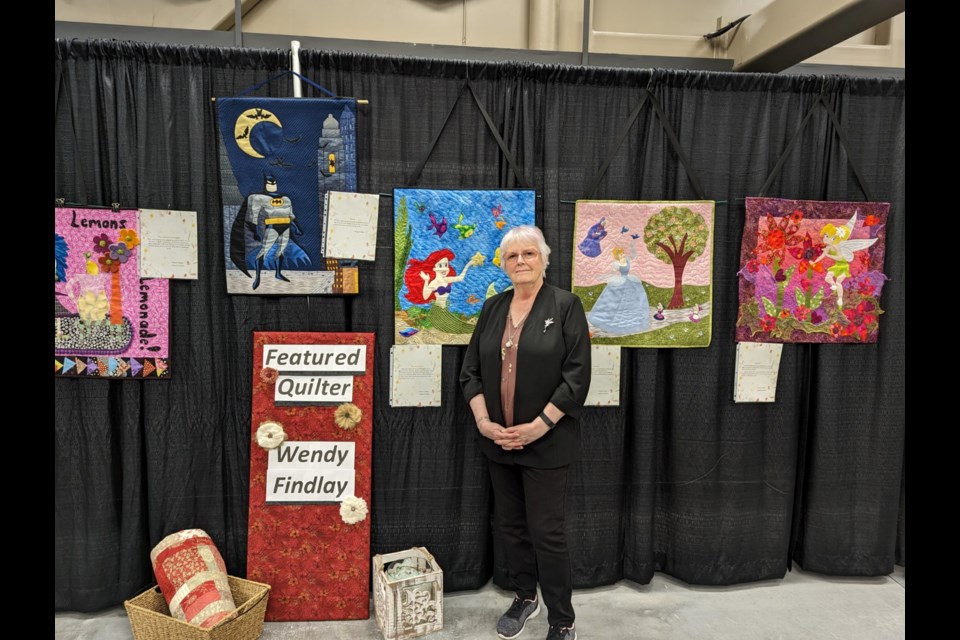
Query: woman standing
pixel 526 374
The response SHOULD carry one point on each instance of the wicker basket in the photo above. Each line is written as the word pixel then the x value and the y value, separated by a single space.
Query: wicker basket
pixel 151 620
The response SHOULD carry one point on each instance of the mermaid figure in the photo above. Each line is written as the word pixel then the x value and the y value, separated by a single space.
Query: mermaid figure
pixel 431 280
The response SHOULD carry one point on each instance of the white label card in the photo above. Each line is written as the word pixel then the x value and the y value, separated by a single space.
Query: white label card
pixel 758 364
pixel 168 244
pixel 415 375
pixel 604 377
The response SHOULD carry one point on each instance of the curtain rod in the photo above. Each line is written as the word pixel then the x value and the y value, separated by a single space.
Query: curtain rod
pixel 359 101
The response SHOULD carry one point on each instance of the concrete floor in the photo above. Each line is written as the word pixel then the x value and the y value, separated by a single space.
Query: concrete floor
pixel 800 606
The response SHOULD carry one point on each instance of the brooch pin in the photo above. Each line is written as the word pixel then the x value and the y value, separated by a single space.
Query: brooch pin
pixel 547 323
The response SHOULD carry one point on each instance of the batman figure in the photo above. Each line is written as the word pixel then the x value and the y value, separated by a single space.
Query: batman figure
pixel 269 217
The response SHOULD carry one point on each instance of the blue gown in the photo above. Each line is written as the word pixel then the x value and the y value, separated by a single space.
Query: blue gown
pixel 622 307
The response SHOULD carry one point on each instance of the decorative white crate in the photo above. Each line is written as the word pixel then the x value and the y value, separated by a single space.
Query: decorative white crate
pixel 408 607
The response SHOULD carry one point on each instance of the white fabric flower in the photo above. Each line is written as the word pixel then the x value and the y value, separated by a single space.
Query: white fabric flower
pixel 353 510
pixel 270 435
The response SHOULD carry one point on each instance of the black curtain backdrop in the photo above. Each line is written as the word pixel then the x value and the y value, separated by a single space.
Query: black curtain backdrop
pixel 678 479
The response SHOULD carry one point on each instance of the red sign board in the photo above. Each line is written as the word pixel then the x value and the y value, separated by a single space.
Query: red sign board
pixel 309 527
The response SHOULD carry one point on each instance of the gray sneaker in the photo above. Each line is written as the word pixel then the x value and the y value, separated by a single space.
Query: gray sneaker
pixel 511 623
pixel 558 632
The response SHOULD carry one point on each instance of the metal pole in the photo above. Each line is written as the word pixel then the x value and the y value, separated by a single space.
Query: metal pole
pixel 237 23
pixel 585 53
pixel 295 55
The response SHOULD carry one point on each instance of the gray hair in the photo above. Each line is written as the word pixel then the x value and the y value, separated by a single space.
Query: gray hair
pixel 525 234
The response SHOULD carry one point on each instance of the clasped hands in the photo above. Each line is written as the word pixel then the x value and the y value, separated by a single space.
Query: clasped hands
pixel 511 438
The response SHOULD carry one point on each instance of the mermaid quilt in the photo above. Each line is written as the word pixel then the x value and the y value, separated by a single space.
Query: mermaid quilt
pixel 447 259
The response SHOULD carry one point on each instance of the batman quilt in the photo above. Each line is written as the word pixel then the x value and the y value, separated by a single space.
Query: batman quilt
pixel 278 158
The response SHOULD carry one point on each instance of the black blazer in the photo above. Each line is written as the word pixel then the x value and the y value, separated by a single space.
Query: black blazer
pixel 553 365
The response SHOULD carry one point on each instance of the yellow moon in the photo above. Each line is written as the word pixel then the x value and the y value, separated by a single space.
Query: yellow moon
pixel 243 129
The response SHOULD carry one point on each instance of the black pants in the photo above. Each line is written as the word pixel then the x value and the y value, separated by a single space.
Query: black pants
pixel 528 506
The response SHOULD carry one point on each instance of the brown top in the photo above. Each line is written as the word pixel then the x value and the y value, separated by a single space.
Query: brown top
pixel 508 368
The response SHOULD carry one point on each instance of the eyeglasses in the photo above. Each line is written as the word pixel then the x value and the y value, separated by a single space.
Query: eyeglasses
pixel 528 256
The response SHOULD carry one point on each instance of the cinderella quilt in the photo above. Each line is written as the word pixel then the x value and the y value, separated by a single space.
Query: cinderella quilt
pixel 644 271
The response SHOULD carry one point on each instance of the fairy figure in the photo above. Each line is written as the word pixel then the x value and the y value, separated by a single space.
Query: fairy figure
pixel 840 248
pixel 590 246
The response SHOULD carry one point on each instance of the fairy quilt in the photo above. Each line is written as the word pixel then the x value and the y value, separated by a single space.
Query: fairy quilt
pixel 811 271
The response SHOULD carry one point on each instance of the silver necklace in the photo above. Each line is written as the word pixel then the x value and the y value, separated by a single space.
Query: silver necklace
pixel 510 333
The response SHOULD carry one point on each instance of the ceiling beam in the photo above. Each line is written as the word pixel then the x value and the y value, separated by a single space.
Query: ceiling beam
pixel 229 19
pixel 787 32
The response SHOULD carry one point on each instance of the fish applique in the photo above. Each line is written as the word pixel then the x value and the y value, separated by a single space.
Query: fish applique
pixel 439 228
pixel 498 218
pixel 472 299
pixel 465 230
